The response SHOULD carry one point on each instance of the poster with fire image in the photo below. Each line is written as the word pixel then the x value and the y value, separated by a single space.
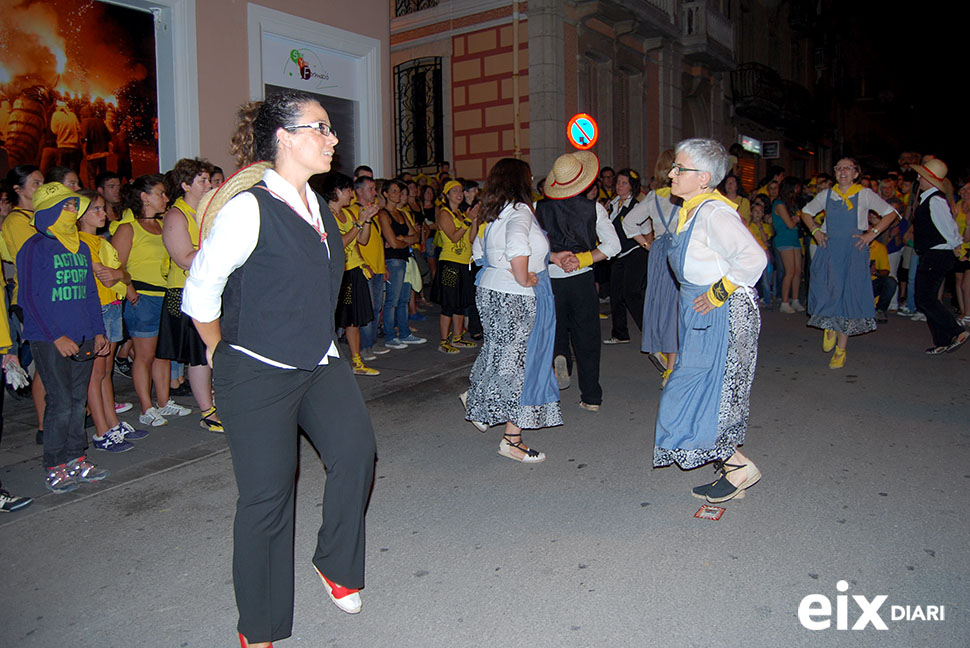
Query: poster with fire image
pixel 78 87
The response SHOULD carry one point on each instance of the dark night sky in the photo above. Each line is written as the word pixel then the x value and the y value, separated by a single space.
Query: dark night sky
pixel 916 54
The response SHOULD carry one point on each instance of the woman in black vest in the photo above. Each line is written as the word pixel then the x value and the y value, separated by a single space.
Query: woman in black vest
pixel 628 277
pixel 273 260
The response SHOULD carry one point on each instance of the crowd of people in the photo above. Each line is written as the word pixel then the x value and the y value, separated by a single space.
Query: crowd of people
pixel 93 280
pixel 234 290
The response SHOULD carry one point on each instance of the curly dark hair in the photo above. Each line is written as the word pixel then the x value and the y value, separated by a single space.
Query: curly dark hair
pixel 255 137
pixel 509 181
pixel 185 170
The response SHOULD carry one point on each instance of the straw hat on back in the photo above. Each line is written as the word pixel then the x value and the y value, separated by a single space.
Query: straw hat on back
pixel 216 199
pixel 571 175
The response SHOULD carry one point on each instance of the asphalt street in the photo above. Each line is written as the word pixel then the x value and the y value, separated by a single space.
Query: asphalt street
pixel 862 474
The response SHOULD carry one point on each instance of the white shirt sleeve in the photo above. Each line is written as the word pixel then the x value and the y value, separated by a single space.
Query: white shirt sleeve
pixel 816 204
pixel 609 241
pixel 517 233
pixel 232 239
pixel 722 246
pixel 945 225
pixel 638 220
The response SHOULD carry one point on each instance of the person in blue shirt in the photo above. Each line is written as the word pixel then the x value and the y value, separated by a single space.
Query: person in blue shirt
pixel 62 321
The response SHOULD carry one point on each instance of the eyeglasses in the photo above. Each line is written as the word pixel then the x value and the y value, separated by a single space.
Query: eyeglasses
pixel 845 168
pixel 325 129
pixel 678 169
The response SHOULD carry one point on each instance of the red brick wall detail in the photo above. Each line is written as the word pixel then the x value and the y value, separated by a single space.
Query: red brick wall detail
pixel 482 110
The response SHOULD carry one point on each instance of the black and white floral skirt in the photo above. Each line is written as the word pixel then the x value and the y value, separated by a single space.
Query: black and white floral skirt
pixel 499 371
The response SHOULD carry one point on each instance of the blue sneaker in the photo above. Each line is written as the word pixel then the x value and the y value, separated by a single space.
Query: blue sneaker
pixel 112 441
pixel 394 343
pixel 417 317
pixel 60 481
pixel 132 433
pixel 412 339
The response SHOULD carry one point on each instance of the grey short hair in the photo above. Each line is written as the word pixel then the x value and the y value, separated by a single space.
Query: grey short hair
pixel 707 155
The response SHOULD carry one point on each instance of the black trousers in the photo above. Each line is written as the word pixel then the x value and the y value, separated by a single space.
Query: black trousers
pixel 261 407
pixel 883 289
pixel 628 282
pixel 932 269
pixel 66 382
pixel 578 326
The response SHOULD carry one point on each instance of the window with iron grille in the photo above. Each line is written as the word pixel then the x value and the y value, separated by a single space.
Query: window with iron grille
pixel 420 119
pixel 405 7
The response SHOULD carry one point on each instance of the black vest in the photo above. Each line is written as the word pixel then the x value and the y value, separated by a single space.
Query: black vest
pixel 280 303
pixel 570 223
pixel 626 243
pixel 925 234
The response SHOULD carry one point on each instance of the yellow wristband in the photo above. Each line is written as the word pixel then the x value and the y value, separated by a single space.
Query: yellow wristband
pixel 720 290
pixel 812 233
pixel 585 259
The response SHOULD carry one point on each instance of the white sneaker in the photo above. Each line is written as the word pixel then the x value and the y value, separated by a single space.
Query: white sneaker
pixel 918 317
pixel 152 417
pixel 786 308
pixel 797 305
pixel 367 354
pixel 171 408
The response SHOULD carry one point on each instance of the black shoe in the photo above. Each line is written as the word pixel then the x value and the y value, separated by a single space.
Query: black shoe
pixel 123 368
pixel 957 342
pixel 701 491
pixel 722 490
pixel 39 438
pixel 182 390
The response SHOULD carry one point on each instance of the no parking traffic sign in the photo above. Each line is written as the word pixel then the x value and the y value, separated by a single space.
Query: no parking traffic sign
pixel 582 131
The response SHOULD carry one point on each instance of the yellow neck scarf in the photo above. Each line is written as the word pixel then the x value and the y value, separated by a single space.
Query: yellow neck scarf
pixel 853 190
pixel 689 205
pixel 64 229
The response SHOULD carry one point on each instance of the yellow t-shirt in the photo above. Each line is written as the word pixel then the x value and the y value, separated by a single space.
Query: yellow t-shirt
pixel 18 226
pixel 961 220
pixel 878 258
pixel 176 275
pixel 459 251
pixel 373 252
pixel 352 258
pixel 744 209
pixel 148 261
pixel 104 253
pixel 761 233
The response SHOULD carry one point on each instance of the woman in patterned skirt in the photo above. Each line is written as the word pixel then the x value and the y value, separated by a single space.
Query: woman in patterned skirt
pixel 704 408
pixel 512 381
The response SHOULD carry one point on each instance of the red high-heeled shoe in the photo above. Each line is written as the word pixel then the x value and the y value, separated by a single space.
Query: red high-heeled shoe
pixel 245 644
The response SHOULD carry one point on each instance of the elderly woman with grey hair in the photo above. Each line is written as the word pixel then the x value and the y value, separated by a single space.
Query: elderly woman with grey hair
pixel 704 409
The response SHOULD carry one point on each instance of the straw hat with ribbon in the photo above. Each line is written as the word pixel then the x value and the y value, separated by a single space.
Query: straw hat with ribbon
pixel 571 174
pixel 934 171
pixel 216 199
